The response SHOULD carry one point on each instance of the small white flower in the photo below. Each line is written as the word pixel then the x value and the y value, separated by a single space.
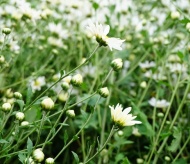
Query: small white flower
pixel 100 34
pixel 37 83
pixel 123 118
pixel 147 64
pixel 158 103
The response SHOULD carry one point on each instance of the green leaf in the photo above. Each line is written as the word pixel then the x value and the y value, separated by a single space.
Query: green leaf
pixel 76 157
pixel 180 54
pixel 176 141
pixel 65 137
pixel 20 103
pixel 21 157
pixel 3 141
pixel 29 145
pixel 180 161
pixel 29 94
pixel 95 5
pixel 125 161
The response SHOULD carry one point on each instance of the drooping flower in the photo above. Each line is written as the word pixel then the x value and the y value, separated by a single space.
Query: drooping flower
pixel 122 117
pixel 100 34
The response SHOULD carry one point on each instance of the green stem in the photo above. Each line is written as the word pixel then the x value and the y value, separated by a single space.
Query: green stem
pixel 74 138
pixel 110 135
pixel 164 120
pixel 28 107
pixel 171 126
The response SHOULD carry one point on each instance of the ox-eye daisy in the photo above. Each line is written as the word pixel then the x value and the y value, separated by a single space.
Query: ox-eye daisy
pixel 123 118
pixel 101 32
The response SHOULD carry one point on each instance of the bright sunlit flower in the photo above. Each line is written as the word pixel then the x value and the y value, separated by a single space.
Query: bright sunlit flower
pixel 100 34
pixel 122 117
pixel 37 83
pixel 158 103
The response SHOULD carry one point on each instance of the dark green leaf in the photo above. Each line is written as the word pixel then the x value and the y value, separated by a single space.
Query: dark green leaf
pixel 176 141
pixel 125 161
pixel 65 137
pixel 95 5
pixel 20 103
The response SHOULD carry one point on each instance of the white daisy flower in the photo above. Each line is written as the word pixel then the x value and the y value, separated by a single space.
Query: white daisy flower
pixel 37 83
pixel 101 32
pixel 123 118
pixel 158 103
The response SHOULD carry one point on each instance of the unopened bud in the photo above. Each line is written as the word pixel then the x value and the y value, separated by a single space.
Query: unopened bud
pixel 65 85
pixel 17 95
pixel 104 92
pixel 24 123
pixel 70 113
pixel 167 158
pixel 47 104
pixel 49 161
pixel 117 64
pixel 175 15
pixel 143 84
pixel 2 59
pixel 77 80
pixel 19 116
pixel 188 26
pixel 6 107
pixel 6 31
pixel 38 155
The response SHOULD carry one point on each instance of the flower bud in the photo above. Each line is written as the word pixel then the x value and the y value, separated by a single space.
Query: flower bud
pixel 9 93
pixel 47 104
pixel 175 15
pixel 6 31
pixel 160 114
pixel 65 85
pixel 63 97
pixel 6 107
pixel 120 133
pixel 143 84
pixel 140 160
pixel 49 161
pixel 30 161
pixel 167 158
pixel 18 95
pixel 2 59
pixel 104 92
pixel 77 80
pixel 24 123
pixel 19 116
pixel 188 26
pixel 117 64
pixel 38 155
pixel 70 113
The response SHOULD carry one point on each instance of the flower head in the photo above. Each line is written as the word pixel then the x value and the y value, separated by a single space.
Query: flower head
pixel 122 117
pixel 158 103
pixel 100 34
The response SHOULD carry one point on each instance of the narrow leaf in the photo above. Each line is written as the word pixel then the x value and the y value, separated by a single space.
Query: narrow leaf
pixel 76 157
pixel 29 145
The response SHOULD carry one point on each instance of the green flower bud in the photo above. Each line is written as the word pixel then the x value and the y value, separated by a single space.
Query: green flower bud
pixel 38 155
pixel 117 64
pixel 47 104
pixel 6 31
pixel 77 80
pixel 104 92
pixel 6 107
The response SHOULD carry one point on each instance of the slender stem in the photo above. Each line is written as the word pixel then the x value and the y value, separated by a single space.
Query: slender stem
pixel 28 107
pixel 171 126
pixel 40 129
pixel 62 111
pixel 110 135
pixel 164 120
pixel 183 147
pixel 74 138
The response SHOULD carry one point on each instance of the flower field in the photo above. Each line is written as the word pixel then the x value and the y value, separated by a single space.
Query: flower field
pixel 90 81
